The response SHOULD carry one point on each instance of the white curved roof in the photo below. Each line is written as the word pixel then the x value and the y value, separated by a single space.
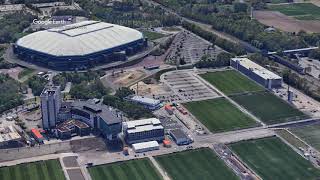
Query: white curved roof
pixel 78 39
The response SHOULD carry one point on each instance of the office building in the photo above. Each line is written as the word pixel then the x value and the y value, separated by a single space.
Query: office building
pixel 50 106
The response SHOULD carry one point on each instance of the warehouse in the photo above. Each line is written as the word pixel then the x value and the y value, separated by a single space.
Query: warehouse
pixel 145 146
pixel 148 103
pixel 143 130
pixel 179 137
pixel 256 72
pixel 80 46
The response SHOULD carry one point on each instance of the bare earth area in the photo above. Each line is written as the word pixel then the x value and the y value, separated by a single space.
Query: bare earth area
pixel 285 23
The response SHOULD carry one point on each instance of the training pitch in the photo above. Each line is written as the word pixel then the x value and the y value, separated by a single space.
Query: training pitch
pixel 301 11
pixel 41 170
pixel 310 134
pixel 127 170
pixel 219 115
pixel 231 82
pixel 269 108
pixel 272 159
pixel 196 164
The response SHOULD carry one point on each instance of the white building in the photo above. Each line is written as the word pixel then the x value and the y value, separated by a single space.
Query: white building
pixel 149 103
pixel 256 72
pixel 145 146
pixel 50 105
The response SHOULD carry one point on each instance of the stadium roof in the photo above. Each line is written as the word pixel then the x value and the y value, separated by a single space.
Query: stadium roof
pixel 257 69
pixel 79 39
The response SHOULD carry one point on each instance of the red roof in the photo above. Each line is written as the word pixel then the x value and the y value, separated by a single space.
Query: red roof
pixel 36 133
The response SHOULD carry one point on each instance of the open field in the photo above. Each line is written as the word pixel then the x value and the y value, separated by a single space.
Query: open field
pixel 269 108
pixel 41 170
pixel 272 159
pixel 219 115
pixel 196 164
pixel 301 11
pixel 286 23
pixel 231 82
pixel 127 170
pixel 152 35
pixel 310 134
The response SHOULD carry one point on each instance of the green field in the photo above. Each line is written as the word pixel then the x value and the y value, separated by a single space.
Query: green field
pixel 231 82
pixel 310 134
pixel 302 11
pixel 41 170
pixel 196 164
pixel 272 159
pixel 269 108
pixel 127 170
pixel 152 35
pixel 219 115
pixel 291 139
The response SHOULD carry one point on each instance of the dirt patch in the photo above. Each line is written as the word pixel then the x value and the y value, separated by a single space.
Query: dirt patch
pixel 13 72
pixel 149 89
pixel 125 78
pixel 285 23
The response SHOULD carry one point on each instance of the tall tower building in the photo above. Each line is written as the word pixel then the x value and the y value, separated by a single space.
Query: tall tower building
pixel 50 105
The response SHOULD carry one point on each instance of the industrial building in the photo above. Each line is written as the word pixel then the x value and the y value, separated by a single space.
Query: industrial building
pixel 180 137
pixel 10 137
pixel 148 103
pixel 143 130
pixel 145 146
pixel 37 135
pixel 50 106
pixel 256 72
pixel 98 116
pixel 80 46
pixel 66 129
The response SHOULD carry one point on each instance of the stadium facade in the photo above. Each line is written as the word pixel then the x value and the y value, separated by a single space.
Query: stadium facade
pixel 80 46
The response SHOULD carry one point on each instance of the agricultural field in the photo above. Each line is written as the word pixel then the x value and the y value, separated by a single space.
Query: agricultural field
pixel 219 115
pixel 231 82
pixel 127 170
pixel 269 108
pixel 272 159
pixel 310 134
pixel 196 164
pixel 41 170
pixel 301 11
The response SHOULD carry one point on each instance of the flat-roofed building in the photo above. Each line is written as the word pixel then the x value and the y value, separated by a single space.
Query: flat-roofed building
pixel 50 106
pixel 256 72
pixel 9 137
pixel 143 130
pixel 145 146
pixel 72 126
pixel 148 103
pixel 180 137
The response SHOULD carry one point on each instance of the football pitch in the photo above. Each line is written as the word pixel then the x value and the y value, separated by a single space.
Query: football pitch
pixel 301 11
pixel 41 170
pixel 310 134
pixel 196 164
pixel 272 159
pixel 231 82
pixel 219 115
pixel 127 170
pixel 269 108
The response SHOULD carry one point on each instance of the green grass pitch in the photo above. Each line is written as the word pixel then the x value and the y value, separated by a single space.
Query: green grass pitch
pixel 272 159
pixel 310 134
pixel 41 170
pixel 302 11
pixel 127 170
pixel 269 108
pixel 231 82
pixel 219 115
pixel 196 164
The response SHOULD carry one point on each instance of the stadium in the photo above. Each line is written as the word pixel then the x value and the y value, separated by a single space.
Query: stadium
pixel 80 46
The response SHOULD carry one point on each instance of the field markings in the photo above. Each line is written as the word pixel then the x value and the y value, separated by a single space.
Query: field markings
pixel 159 168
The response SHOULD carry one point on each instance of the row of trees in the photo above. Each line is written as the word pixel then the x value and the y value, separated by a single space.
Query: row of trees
pixel 37 84
pixel 223 59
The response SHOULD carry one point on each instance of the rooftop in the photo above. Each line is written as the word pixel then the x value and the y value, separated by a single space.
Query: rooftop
pixel 145 145
pixel 145 100
pixel 178 134
pixel 142 122
pixel 257 69
pixel 8 133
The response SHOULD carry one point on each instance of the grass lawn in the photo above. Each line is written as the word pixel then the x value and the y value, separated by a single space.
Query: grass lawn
pixel 25 72
pixel 41 170
pixel 152 35
pixel 231 82
pixel 302 11
pixel 196 164
pixel 272 159
pixel 127 170
pixel 269 108
pixel 310 134
pixel 219 115
pixel 291 138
